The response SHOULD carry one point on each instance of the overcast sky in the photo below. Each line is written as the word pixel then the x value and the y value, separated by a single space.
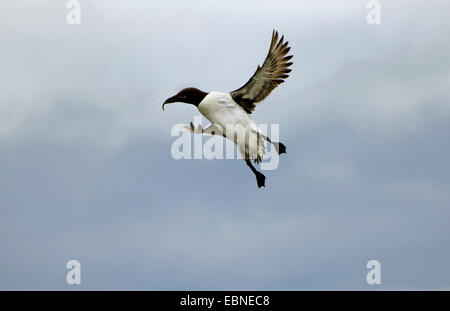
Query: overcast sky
pixel 86 171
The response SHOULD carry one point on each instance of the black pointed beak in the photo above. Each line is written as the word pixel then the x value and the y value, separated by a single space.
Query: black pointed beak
pixel 170 100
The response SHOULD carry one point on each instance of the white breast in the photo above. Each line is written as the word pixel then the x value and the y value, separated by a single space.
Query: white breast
pixel 220 109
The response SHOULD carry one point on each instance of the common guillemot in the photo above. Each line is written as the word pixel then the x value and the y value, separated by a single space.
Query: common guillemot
pixel 229 113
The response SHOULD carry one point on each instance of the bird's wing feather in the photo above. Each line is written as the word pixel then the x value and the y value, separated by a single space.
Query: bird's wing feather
pixel 267 77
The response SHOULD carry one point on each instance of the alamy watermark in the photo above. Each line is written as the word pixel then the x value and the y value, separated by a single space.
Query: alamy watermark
pixel 73 17
pixel 373 277
pixel 373 16
pixel 213 146
pixel 74 275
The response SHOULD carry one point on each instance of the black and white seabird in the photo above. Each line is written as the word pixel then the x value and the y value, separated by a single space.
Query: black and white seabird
pixel 233 109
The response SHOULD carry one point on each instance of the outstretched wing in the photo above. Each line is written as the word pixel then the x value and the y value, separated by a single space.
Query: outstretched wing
pixel 267 77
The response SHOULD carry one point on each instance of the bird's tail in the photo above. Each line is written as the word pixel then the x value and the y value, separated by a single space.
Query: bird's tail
pixel 279 147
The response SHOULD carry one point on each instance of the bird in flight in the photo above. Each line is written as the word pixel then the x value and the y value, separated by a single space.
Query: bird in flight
pixel 229 113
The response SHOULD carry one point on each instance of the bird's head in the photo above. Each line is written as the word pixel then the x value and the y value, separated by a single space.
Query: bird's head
pixel 189 95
